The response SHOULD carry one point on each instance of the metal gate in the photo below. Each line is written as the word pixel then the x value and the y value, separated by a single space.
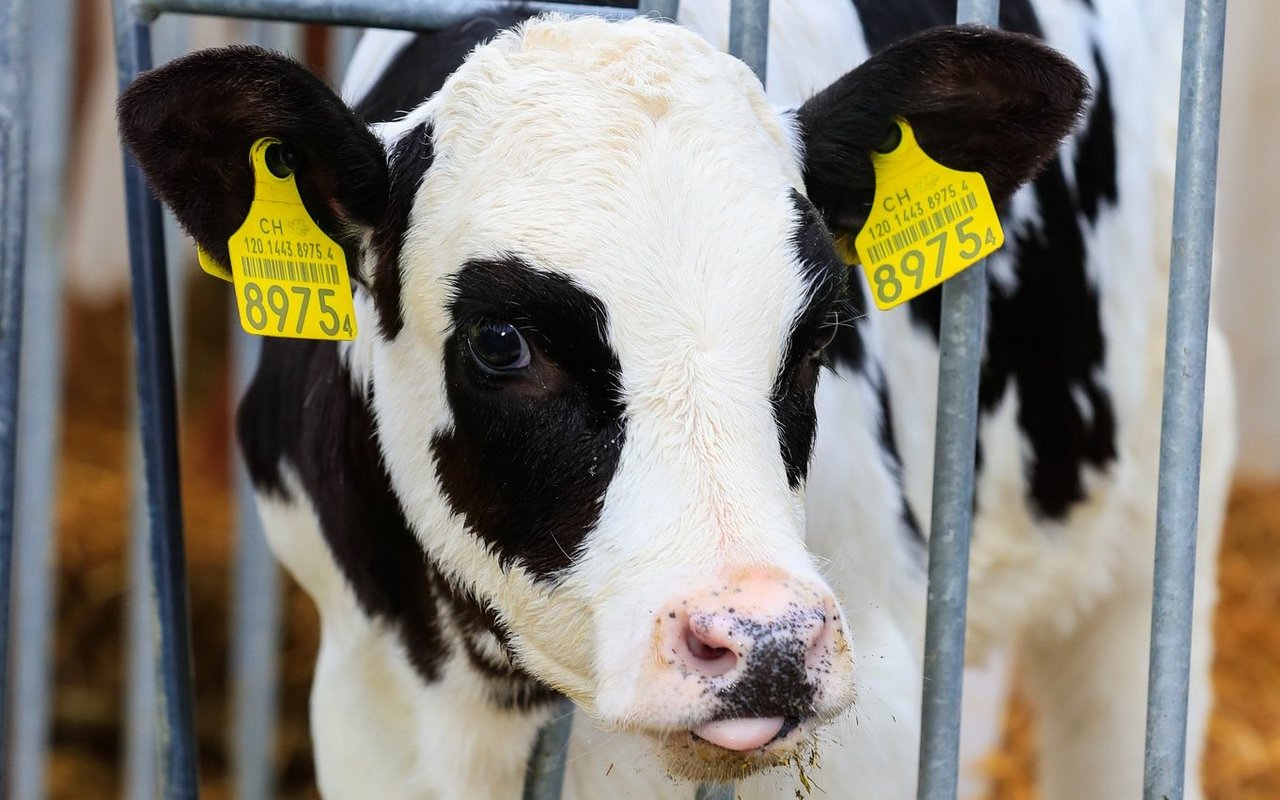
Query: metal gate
pixel 26 162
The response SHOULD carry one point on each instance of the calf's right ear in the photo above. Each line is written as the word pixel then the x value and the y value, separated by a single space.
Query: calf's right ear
pixel 192 122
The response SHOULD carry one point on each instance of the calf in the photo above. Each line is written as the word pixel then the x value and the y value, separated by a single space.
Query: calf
pixel 619 426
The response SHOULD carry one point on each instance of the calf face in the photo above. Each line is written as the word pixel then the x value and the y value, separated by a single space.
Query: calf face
pixel 597 276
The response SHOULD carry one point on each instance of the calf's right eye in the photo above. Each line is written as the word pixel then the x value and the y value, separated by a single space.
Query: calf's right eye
pixel 497 347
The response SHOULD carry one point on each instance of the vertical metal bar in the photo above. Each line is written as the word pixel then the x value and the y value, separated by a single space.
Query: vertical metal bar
pixel 140 765
pixel 662 9
pixel 255 653
pixel 964 309
pixel 342 45
pixel 749 33
pixel 39 400
pixel 1182 416
pixel 715 792
pixel 170 39
pixel 255 643
pixel 15 99
pixel 544 779
pixel 157 409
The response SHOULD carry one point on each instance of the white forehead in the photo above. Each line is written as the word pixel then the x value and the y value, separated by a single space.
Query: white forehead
pixel 632 157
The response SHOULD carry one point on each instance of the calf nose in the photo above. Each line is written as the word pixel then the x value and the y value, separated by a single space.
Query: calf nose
pixel 759 621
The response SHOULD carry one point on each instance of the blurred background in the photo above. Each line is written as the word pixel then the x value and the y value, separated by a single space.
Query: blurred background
pixel 95 511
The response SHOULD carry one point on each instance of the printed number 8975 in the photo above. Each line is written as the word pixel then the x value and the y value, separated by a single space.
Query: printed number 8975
pixel 888 284
pixel 276 300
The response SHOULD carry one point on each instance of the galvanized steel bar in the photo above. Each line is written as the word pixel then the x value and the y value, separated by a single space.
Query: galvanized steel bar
pixel 170 38
pixel 404 14
pixel 1182 416
pixel 749 33
pixel 256 595
pixel 157 409
pixel 544 779
pixel 663 9
pixel 140 756
pixel 39 396
pixel 715 792
pixel 964 308
pixel 255 653
pixel 15 100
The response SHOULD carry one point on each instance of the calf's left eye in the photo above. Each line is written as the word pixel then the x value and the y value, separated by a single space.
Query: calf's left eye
pixel 498 347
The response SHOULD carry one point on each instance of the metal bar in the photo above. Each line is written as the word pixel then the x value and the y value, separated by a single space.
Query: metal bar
pixel 662 9
pixel 544 778
pixel 157 410
pixel 140 765
pixel 15 100
pixel 749 33
pixel 39 394
pixel 255 653
pixel 964 309
pixel 1182 416
pixel 170 39
pixel 256 600
pixel 404 14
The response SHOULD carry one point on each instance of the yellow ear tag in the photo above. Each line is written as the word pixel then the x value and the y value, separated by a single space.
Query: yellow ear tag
pixel 291 279
pixel 212 267
pixel 928 223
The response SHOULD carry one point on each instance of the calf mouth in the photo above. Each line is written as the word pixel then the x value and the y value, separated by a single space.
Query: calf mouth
pixel 727 750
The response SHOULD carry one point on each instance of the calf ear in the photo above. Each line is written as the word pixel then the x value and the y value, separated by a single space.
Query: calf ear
pixel 979 101
pixel 191 124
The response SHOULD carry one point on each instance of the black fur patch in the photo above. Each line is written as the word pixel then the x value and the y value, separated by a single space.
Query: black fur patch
pixel 1046 339
pixel 530 456
pixel 793 390
pixel 409 162
pixel 1096 178
pixel 421 68
pixel 301 409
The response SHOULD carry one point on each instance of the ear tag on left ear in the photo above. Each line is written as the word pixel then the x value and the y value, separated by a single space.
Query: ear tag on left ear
pixel 290 277
pixel 928 223
pixel 212 267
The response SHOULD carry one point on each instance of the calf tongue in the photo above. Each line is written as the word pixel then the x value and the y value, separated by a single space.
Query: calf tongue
pixel 740 734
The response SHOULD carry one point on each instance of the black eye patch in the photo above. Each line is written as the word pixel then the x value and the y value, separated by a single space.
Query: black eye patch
pixel 814 329
pixel 527 462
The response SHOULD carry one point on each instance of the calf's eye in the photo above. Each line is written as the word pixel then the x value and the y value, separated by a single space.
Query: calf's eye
pixel 497 347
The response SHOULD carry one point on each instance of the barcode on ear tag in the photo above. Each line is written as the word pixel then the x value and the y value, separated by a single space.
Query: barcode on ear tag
pixel 290 277
pixel 927 224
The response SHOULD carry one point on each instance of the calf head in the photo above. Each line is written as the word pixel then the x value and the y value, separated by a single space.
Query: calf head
pixel 597 277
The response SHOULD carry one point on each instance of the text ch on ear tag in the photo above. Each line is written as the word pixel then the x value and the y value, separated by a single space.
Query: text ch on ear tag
pixel 927 224
pixel 290 277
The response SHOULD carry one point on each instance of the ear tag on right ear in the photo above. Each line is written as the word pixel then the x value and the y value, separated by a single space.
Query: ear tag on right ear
pixel 291 279
pixel 928 223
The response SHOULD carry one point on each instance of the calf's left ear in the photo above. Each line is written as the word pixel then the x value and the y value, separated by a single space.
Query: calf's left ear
pixel 978 100
pixel 192 122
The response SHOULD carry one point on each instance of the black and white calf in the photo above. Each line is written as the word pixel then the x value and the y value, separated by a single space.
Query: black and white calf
pixel 619 425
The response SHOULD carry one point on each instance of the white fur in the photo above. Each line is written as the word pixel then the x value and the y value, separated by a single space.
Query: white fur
pixel 698 356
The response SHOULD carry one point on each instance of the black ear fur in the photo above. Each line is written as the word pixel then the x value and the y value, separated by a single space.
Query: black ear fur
pixel 191 123
pixel 979 100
